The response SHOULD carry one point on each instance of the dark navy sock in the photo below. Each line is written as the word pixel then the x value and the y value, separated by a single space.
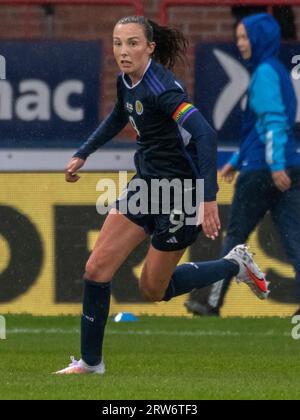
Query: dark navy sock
pixel 96 301
pixel 197 275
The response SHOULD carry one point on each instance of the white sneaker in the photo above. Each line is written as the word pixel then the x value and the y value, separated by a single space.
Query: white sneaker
pixel 249 272
pixel 79 367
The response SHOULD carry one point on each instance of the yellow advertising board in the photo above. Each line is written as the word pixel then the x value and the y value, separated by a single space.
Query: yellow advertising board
pixel 48 228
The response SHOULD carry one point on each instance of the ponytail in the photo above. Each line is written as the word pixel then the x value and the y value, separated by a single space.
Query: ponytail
pixel 171 44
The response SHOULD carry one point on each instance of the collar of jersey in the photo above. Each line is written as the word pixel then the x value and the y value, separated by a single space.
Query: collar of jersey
pixel 134 86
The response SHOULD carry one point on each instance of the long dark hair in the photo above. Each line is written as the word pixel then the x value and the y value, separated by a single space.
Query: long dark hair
pixel 171 44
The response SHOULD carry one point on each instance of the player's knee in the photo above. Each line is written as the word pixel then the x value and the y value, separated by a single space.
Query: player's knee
pixel 150 293
pixel 97 269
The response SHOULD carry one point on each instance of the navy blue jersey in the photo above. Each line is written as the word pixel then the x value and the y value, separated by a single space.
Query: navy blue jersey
pixel 173 139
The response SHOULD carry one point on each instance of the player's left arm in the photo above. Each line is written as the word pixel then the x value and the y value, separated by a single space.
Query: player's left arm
pixel 206 143
pixel 175 103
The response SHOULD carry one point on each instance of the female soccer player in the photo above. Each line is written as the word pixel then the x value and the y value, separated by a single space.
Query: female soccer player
pixel 174 141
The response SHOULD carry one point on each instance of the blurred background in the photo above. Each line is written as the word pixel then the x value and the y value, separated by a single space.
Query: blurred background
pixel 58 80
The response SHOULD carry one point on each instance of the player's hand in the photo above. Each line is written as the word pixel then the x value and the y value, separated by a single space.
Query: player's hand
pixel 228 173
pixel 73 166
pixel 282 181
pixel 211 221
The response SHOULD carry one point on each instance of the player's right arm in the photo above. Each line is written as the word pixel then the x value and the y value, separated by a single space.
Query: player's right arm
pixel 108 129
pixel 73 166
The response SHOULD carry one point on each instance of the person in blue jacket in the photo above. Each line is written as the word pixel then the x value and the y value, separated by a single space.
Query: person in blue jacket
pixel 267 159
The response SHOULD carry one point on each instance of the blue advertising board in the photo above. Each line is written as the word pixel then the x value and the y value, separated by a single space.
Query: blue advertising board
pixel 221 82
pixel 50 97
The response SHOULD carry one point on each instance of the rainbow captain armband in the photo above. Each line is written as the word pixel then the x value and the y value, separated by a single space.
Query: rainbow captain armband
pixel 183 112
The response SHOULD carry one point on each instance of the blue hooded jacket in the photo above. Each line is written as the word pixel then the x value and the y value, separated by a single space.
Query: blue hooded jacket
pixel 269 120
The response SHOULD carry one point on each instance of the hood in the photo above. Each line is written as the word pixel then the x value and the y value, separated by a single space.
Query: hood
pixel 264 35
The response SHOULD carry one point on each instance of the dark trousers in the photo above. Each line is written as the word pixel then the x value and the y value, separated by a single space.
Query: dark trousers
pixel 255 195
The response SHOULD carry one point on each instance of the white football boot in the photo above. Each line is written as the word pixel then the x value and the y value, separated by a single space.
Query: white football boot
pixel 79 367
pixel 249 272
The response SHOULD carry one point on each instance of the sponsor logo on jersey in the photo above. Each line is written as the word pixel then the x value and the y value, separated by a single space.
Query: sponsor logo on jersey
pixel 139 107
pixel 129 107
pixel 172 240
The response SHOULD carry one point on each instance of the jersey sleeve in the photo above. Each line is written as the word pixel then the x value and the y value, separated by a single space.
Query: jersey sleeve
pixel 176 104
pixel 108 129
pixel 171 99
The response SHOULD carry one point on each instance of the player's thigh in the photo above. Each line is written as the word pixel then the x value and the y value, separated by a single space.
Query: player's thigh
pixel 158 269
pixel 117 239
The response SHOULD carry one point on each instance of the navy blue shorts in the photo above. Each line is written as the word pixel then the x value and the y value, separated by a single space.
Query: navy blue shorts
pixel 169 232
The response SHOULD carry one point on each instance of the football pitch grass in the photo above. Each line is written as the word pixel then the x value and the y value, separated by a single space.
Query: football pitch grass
pixel 154 358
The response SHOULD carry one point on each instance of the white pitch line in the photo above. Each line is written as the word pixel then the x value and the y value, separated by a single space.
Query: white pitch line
pixel 213 333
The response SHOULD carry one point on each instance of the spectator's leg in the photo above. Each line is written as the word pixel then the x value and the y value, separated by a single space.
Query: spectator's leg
pixel 252 199
pixel 286 217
